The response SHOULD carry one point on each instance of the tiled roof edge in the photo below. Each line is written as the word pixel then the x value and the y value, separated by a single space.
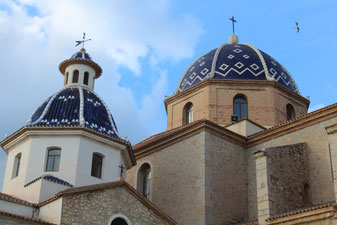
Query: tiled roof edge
pixel 19 217
pixel 13 199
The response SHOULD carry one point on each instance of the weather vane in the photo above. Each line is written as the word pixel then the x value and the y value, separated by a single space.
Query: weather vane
pixel 233 21
pixel 82 42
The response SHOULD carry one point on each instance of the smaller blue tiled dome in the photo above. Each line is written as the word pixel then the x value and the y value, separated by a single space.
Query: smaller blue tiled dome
pixel 82 54
pixel 81 57
pixel 75 107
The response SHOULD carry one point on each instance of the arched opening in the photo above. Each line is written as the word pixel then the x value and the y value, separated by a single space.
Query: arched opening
pixel 240 107
pixel 86 78
pixel 290 112
pixel 66 78
pixel 119 221
pixel 144 180
pixel 188 113
pixel 16 167
pixel 53 159
pixel 97 165
pixel 306 194
pixel 75 76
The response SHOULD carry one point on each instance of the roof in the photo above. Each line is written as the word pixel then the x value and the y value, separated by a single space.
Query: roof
pixel 110 185
pixel 75 106
pixel 161 140
pixel 238 62
pixel 24 218
pixel 303 210
pixel 16 200
pixel 52 179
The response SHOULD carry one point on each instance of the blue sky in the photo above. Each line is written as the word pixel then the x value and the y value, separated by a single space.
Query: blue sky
pixel 144 47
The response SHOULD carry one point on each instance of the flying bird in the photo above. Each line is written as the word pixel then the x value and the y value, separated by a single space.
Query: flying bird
pixel 297 27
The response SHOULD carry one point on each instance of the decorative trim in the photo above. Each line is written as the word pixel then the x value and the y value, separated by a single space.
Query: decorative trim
pixel 215 59
pixel 81 107
pixel 119 216
pixel 51 179
pixel 63 65
pixel 266 72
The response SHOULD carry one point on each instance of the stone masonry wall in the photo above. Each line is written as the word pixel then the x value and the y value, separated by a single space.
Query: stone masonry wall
pixel 96 208
pixel 178 179
pixel 226 182
pixel 288 176
pixel 316 138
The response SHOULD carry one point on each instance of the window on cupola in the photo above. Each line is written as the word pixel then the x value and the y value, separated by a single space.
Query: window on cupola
pixel 16 167
pixel 96 166
pixel 188 113
pixel 290 112
pixel 86 78
pixel 53 159
pixel 75 76
pixel 240 108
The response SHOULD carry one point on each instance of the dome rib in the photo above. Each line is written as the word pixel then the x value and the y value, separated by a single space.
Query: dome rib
pixel 215 59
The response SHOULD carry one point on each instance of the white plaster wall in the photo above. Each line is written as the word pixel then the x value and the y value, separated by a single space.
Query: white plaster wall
pixel 49 189
pixel 15 208
pixel 111 161
pixel 81 69
pixel 52 211
pixel 12 185
pixel 31 193
pixel 69 145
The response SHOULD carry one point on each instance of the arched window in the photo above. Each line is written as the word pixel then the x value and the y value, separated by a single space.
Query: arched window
pixel 290 112
pixel 96 166
pixel 75 76
pixel 16 167
pixel 119 221
pixel 144 180
pixel 66 78
pixel 188 113
pixel 53 159
pixel 86 78
pixel 240 108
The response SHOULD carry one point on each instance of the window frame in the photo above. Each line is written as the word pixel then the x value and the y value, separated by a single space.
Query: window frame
pixel 96 154
pixel 53 169
pixel 241 106
pixel 144 179
pixel 16 165
pixel 86 78
pixel 188 113
pixel 290 112
pixel 112 218
pixel 76 75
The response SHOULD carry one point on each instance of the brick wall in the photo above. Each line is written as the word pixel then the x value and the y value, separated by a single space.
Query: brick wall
pixel 214 101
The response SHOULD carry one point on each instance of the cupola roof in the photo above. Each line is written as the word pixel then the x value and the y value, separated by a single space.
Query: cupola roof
pixel 75 107
pixel 239 62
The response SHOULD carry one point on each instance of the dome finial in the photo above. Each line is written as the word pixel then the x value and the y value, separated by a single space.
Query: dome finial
pixel 82 42
pixel 233 39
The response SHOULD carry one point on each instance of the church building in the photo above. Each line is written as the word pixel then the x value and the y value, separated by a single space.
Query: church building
pixel 240 148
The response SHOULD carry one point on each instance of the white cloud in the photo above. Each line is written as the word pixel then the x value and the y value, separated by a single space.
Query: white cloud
pixel 316 107
pixel 36 35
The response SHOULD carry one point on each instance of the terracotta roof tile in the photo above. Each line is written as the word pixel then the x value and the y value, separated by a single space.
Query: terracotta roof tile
pixel 11 198
pixel 19 217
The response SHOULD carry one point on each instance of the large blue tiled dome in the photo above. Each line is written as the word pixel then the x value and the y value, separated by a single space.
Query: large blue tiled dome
pixel 75 107
pixel 239 62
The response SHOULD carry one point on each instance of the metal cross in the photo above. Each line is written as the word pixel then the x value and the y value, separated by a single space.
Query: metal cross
pixel 122 170
pixel 233 21
pixel 82 42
